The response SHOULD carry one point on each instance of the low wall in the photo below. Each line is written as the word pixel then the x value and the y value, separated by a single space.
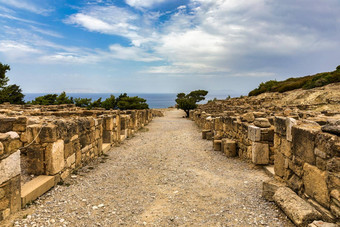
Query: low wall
pixel 303 146
pixel 54 141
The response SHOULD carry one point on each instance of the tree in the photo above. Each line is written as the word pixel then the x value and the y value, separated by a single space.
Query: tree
pixel 3 78
pixel 96 104
pixel 188 102
pixel 11 93
pixel 64 99
pixel 49 99
pixel 132 103
pixel 83 102
pixel 109 103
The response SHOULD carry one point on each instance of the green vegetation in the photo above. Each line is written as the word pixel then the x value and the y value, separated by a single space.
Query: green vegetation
pixel 123 102
pixel 306 82
pixel 10 93
pixel 188 102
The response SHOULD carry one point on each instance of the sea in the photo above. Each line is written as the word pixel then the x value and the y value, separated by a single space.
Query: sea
pixel 155 101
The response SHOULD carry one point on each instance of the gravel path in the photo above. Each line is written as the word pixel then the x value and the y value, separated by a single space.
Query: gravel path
pixel 165 176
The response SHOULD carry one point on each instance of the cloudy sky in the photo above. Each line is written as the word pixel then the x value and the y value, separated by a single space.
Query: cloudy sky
pixel 161 46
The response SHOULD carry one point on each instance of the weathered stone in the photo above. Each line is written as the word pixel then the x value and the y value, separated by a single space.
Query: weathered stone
pixel 55 157
pixel 279 164
pixel 2 193
pixel 248 117
pixel 260 114
pixel 229 148
pixel 298 210
pixel 10 167
pixel 303 142
pixel 269 188
pixel 4 214
pixel 2 150
pixel 13 135
pixel 204 134
pixel 322 224
pixel 295 183
pixel 48 134
pixel 280 125
pixel 290 122
pixel 315 182
pixel 331 129
pixel 262 122
pixel 260 153
pixel 335 195
pixel 333 165
pixel 210 135
pixel 254 133
pixel 217 145
pixel 71 160
pixel 326 214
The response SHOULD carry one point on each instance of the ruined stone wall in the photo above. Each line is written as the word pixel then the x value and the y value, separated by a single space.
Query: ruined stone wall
pixel 304 147
pixel 54 141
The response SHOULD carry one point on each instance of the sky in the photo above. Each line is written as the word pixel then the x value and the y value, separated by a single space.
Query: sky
pixel 165 46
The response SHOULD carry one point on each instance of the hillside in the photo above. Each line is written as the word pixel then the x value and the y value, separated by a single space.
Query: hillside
pixel 306 82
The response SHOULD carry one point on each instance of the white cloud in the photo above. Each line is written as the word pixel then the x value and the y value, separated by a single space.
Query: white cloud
pixel 106 19
pixel 131 53
pixel 26 5
pixel 143 3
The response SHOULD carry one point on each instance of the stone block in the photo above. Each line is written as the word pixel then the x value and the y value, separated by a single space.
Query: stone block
pixel 315 183
pixel 280 125
pixel 326 144
pixel 48 134
pixel 229 147
pixel 248 117
pixel 303 143
pixel 55 157
pixel 279 164
pixel 290 122
pixel 262 122
pixel 297 209
pixel 326 214
pixel 210 135
pixel 260 153
pixel 295 183
pixel 333 165
pixel 217 145
pixel 269 188
pixel 70 161
pixel 254 133
pixel 322 224
pixel 35 188
pixel 267 134
pixel 10 167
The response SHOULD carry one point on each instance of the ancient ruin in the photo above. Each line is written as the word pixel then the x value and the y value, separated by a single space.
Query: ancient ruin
pixel 295 132
pixel 41 145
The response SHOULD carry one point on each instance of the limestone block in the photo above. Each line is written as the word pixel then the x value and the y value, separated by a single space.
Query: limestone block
pixel 217 145
pixel 6 124
pixel 48 134
pixel 333 165
pixel 210 135
pixel 315 182
pixel 262 122
pixel 327 144
pixel 13 135
pixel 297 209
pixel 322 224
pixel 10 167
pixel 254 133
pixel 71 160
pixel 35 188
pixel 55 157
pixel 269 188
pixel 326 214
pixel 280 125
pixel 286 148
pixel 229 147
pixel 267 134
pixel 248 117
pixel 303 143
pixel 260 153
pixel 290 122
pixel 279 164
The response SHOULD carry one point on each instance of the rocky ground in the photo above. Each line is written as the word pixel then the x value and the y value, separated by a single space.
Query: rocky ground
pixel 164 176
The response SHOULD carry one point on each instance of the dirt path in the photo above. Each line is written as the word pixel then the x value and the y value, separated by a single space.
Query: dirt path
pixel 166 176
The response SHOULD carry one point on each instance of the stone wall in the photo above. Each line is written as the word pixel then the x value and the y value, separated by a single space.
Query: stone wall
pixel 54 141
pixel 303 146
